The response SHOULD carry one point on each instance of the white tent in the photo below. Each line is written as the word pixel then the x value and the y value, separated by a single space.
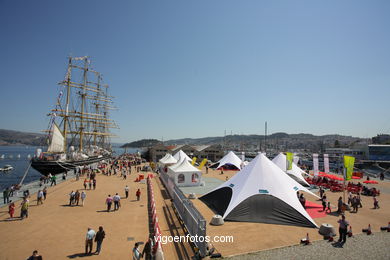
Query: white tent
pixel 261 192
pixel 230 158
pixel 180 155
pixel 185 174
pixel 295 172
pixel 168 159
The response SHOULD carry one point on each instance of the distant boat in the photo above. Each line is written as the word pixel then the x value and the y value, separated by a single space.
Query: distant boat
pixel 11 156
pixel 28 156
pixel 2 156
pixel 6 168
pixel 18 156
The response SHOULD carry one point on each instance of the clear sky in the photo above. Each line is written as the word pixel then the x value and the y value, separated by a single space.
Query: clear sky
pixel 195 68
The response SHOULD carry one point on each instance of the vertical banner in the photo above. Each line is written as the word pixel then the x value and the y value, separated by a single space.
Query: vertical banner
pixel 326 163
pixel 193 161
pixel 349 162
pixel 296 159
pixel 289 160
pixel 202 163
pixel 315 164
pixel 243 156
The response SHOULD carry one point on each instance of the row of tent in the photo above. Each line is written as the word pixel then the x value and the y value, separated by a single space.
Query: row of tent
pixel 231 159
pixel 262 192
pixel 180 170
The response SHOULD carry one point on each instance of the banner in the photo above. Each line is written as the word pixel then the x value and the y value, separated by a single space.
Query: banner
pixel 193 161
pixel 349 162
pixel 326 163
pixel 202 163
pixel 315 164
pixel 296 159
pixel 243 156
pixel 289 158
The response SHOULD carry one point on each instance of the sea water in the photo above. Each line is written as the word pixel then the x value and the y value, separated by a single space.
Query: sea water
pixel 11 157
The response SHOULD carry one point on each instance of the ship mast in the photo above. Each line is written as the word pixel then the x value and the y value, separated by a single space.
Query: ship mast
pixel 67 103
pixel 85 111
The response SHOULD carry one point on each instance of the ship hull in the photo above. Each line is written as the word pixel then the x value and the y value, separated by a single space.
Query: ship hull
pixel 57 167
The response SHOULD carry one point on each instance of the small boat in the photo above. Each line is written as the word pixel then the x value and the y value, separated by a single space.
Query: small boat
pixel 18 156
pixel 7 168
pixel 11 156
pixel 29 156
pixel 2 156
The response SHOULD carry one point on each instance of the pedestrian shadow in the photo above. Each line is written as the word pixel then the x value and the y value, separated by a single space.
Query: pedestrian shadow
pixel 338 245
pixel 133 200
pixel 10 219
pixel 103 211
pixel 66 205
pixel 79 255
pixel 334 213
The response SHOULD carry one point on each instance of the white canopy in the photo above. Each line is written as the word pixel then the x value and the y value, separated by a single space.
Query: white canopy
pixel 185 174
pixel 180 155
pixel 261 192
pixel 230 158
pixel 168 159
pixel 185 166
pixel 296 172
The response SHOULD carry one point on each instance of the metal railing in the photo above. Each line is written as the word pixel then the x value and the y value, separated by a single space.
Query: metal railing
pixel 191 217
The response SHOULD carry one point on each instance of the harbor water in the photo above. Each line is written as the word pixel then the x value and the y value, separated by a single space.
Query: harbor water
pixel 19 158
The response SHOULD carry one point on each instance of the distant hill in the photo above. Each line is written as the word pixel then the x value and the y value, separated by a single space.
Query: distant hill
pixel 11 137
pixel 279 141
pixel 141 143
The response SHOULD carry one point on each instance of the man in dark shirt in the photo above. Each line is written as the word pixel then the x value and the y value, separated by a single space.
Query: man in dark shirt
pixel 35 256
pixel 99 239
pixel 343 225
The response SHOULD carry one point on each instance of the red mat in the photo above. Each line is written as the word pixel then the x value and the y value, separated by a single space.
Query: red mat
pixel 314 210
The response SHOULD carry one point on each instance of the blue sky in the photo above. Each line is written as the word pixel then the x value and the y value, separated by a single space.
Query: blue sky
pixel 195 68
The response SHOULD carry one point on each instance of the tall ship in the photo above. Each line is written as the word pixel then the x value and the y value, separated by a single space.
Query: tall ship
pixel 78 133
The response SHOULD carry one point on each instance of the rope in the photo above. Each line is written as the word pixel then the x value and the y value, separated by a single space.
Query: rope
pixel 25 174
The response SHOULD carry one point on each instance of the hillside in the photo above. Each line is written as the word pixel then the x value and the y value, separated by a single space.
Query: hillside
pixel 11 137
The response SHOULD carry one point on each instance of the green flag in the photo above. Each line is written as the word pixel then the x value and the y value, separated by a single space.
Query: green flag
pixel 289 157
pixel 349 161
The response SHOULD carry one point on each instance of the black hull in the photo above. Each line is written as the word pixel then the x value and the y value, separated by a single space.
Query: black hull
pixel 55 167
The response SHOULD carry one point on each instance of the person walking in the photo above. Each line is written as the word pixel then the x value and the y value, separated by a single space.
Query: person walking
pixel 94 184
pixel 44 191
pixel 343 226
pixel 90 184
pixel 11 209
pixel 376 203
pixel 83 196
pixel 85 184
pixel 147 251
pixel 89 240
pixel 24 208
pixel 39 197
pixel 136 252
pixel 117 201
pixel 6 193
pixel 53 180
pixel 324 203
pixel 127 191
pixel 100 235
pixel 138 194
pixel 109 203
pixel 340 205
pixel 77 197
pixel 71 198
